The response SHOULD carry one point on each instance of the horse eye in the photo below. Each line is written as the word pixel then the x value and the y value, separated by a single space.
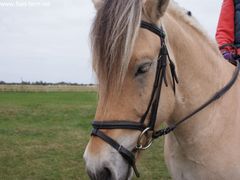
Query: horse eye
pixel 143 69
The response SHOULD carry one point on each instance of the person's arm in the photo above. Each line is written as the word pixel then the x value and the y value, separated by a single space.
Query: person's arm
pixel 225 28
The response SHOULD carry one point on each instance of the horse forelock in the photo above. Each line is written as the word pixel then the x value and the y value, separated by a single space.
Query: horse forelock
pixel 113 35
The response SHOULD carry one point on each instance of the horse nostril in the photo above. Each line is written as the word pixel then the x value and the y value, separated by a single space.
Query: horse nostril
pixel 106 174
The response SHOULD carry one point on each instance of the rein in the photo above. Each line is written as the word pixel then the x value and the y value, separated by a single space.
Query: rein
pixel 152 109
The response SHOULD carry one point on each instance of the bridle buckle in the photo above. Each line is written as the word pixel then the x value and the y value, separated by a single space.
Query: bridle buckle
pixel 140 145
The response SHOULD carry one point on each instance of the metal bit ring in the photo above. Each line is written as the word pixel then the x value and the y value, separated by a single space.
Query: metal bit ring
pixel 148 143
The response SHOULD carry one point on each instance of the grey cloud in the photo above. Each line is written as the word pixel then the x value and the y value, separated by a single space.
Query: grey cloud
pixel 52 43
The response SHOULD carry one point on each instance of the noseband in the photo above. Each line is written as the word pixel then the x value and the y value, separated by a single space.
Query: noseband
pixel 152 109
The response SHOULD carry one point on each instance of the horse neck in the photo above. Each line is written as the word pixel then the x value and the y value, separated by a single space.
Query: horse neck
pixel 201 71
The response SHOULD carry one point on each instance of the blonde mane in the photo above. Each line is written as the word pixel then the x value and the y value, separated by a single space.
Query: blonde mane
pixel 180 13
pixel 113 35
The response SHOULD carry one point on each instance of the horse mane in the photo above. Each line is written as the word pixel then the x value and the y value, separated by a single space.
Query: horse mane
pixel 179 12
pixel 113 35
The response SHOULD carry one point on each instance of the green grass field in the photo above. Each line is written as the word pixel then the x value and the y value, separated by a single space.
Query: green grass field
pixel 43 136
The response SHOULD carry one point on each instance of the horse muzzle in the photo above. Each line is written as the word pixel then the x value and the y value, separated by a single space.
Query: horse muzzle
pixel 107 165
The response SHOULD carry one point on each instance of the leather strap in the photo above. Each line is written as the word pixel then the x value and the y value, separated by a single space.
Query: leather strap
pixel 118 125
pixel 153 28
pixel 215 97
pixel 126 154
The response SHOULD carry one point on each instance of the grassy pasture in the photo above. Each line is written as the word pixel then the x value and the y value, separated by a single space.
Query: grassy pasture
pixel 45 88
pixel 43 136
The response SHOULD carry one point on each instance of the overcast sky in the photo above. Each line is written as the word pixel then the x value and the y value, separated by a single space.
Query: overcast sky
pixel 48 39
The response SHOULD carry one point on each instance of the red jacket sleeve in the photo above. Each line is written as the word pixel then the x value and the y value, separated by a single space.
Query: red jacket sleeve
pixel 225 28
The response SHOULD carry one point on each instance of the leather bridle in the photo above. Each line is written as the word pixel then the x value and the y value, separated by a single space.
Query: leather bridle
pixel 152 109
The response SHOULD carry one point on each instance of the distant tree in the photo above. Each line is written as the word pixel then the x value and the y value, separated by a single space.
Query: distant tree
pixel 25 83
pixel 42 83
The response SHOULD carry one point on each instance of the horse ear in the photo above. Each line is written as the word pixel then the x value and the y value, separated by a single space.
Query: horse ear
pixel 98 3
pixel 155 9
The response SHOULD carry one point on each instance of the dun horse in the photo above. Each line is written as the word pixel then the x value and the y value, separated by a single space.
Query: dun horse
pixel 129 48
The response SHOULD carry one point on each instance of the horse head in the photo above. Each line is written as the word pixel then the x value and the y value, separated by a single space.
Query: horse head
pixel 125 59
